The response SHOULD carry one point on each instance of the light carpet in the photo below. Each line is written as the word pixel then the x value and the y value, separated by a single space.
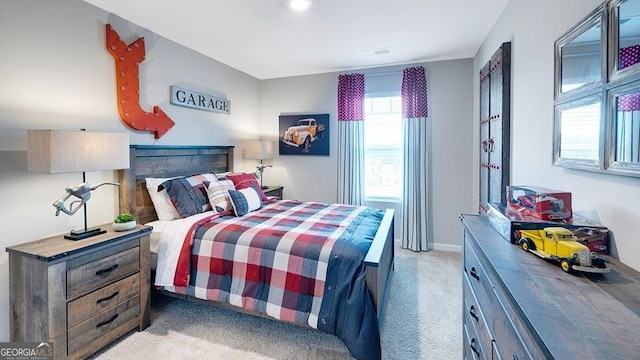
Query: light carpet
pixel 423 321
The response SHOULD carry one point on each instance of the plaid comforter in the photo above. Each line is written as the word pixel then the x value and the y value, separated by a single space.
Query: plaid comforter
pixel 297 262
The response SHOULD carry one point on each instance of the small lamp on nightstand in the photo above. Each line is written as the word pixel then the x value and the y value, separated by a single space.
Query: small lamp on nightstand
pixel 260 150
pixel 53 152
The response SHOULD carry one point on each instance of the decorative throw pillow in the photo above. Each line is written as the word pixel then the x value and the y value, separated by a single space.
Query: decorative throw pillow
pixel 218 192
pixel 222 175
pixel 243 181
pixel 160 199
pixel 189 194
pixel 246 200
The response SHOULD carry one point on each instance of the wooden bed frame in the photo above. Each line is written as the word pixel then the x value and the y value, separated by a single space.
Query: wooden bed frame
pixel 168 161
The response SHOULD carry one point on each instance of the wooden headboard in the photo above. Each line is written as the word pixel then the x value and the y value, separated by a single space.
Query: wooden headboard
pixel 165 161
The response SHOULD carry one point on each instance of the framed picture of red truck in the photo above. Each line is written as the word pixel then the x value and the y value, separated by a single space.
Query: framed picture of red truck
pixel 304 134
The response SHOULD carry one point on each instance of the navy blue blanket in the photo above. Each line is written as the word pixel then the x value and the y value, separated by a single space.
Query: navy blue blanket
pixel 347 309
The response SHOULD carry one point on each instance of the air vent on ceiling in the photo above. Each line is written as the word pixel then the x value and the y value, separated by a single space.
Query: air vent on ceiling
pixel 374 52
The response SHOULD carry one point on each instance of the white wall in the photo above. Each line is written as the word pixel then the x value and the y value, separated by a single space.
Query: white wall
pixel 315 178
pixel 532 27
pixel 55 73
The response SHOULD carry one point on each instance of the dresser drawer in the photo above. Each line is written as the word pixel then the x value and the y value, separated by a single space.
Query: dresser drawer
pixel 475 317
pixel 511 334
pixel 471 348
pixel 100 300
pixel 101 324
pixel 477 275
pixel 90 276
pixel 508 340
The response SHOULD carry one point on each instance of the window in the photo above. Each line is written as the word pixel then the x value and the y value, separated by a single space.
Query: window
pixel 383 147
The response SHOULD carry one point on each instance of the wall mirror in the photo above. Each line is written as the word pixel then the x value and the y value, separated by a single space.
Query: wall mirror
pixel 623 153
pixel 597 91
pixel 580 55
pixel 625 34
pixel 578 127
pixel 580 70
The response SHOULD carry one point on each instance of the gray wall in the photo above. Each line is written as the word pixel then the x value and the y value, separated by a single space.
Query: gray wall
pixel 314 178
pixel 614 198
pixel 55 73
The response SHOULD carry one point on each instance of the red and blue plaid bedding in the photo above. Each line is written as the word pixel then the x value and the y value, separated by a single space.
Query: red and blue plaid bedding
pixel 276 260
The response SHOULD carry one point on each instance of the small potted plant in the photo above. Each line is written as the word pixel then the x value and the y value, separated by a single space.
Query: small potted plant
pixel 124 222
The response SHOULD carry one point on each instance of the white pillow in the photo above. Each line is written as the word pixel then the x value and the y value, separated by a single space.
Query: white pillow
pixel 158 226
pixel 218 192
pixel 161 201
pixel 223 175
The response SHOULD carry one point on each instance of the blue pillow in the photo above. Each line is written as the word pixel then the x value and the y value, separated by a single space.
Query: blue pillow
pixel 189 194
pixel 244 201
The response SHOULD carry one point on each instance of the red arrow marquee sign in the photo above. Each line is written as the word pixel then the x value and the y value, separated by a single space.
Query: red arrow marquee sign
pixel 128 82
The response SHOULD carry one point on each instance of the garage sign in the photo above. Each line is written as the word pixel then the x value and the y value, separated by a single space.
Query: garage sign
pixel 196 100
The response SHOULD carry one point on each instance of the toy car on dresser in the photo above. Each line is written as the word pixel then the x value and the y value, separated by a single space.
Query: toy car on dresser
pixel 558 243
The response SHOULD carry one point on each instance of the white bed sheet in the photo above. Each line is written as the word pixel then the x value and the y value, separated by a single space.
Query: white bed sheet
pixel 169 236
pixel 158 226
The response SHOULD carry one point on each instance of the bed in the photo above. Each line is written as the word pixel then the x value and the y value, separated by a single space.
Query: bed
pixel 171 161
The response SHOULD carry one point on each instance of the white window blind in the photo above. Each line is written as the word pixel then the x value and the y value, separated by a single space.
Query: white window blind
pixel 383 147
pixel 580 132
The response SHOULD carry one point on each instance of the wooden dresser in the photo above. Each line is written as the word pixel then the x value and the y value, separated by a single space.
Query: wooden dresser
pixel 80 295
pixel 518 306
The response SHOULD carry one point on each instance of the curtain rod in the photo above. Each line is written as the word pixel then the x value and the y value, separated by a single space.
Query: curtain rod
pixel 397 72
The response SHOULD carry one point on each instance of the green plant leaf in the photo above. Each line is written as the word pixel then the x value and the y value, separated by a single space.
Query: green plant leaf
pixel 124 218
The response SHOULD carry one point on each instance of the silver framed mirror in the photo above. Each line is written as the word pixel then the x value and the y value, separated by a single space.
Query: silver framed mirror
pixel 580 56
pixel 577 133
pixel 597 120
pixel 624 37
pixel 623 119
pixel 580 75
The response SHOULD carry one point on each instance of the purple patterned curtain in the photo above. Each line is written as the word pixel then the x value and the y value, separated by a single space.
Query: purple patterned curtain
pixel 414 93
pixel 415 224
pixel 628 117
pixel 629 56
pixel 351 139
pixel 351 97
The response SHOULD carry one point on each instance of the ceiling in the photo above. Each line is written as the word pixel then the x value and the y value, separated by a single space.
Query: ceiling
pixel 265 39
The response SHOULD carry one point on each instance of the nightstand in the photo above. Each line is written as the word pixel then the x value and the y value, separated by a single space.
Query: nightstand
pixel 273 191
pixel 80 295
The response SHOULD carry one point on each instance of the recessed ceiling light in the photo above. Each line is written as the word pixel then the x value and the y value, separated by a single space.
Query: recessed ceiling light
pixel 299 5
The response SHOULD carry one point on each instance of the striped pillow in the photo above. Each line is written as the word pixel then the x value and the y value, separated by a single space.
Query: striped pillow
pixel 244 201
pixel 218 193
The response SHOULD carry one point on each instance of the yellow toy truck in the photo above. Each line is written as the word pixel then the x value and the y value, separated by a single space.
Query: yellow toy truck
pixel 558 243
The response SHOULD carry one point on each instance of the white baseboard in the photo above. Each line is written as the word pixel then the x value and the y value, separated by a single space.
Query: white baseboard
pixel 446 247
pixel 438 246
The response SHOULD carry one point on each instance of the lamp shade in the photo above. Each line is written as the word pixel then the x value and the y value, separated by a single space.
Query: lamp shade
pixel 53 151
pixel 260 150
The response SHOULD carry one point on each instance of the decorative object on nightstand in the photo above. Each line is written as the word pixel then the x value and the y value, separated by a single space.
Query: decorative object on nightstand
pixel 260 150
pixel 124 222
pixel 80 295
pixel 53 152
pixel 273 191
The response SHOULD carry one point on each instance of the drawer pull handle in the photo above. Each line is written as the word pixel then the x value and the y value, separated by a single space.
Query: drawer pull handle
pixel 105 272
pixel 103 323
pixel 474 273
pixel 472 312
pixel 473 347
pixel 108 297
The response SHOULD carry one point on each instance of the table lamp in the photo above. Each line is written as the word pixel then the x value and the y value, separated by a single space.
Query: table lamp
pixel 260 150
pixel 53 152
